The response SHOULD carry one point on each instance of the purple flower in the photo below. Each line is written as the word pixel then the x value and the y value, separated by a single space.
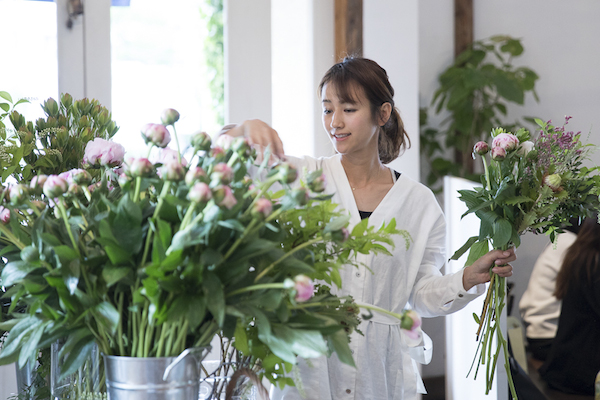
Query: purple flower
pixel 222 173
pixel 507 141
pixel 481 148
pixel 169 116
pixel 199 193
pixel 304 288
pixel 262 208
pixel 156 134
pixel 4 215
pixel 194 175
pixel 498 153
pixel 55 186
pixel 224 196
pixel 104 153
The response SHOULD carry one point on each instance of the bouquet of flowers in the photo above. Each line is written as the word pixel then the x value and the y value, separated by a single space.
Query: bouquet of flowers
pixel 529 185
pixel 146 259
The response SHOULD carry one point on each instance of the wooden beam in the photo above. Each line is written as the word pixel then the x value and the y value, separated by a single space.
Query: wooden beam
pixel 348 28
pixel 463 25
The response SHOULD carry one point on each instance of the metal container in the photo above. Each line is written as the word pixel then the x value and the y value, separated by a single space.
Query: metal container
pixel 164 378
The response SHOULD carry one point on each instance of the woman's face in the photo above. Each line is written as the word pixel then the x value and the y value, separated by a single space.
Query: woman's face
pixel 350 126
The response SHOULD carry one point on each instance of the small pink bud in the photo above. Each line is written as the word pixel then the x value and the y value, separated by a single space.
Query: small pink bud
pixel 218 153
pixel 481 148
pixel 4 215
pixel 55 186
pixel 262 208
pixel 222 173
pixel 141 167
pixel 37 183
pixel 411 323
pixel 17 194
pixel 169 116
pixel 287 172
pixel 173 171
pixel 304 288
pixel 201 141
pixel 318 184
pixel 194 175
pixel 81 176
pixel 156 134
pixel 498 153
pixel 224 197
pixel 200 193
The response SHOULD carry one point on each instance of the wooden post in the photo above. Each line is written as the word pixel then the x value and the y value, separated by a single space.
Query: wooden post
pixel 463 37
pixel 348 28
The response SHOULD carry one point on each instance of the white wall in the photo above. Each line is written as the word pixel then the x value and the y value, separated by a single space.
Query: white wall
pixel 561 45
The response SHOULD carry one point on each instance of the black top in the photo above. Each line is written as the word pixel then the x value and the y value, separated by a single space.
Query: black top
pixel 574 359
pixel 367 214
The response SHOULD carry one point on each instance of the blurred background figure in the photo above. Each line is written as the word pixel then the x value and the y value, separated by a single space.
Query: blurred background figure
pixel 574 358
pixel 539 307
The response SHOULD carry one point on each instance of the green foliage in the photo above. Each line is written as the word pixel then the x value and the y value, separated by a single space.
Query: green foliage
pixel 475 91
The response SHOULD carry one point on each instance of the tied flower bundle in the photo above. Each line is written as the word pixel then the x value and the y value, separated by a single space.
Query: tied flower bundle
pixel 528 186
pixel 147 259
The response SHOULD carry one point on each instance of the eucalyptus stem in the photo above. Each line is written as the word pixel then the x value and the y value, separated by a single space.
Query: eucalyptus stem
pixel 286 255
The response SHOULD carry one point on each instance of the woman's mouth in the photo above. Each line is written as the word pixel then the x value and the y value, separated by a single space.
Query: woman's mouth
pixel 341 136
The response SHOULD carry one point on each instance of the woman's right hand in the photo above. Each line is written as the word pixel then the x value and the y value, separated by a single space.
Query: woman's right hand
pixel 259 134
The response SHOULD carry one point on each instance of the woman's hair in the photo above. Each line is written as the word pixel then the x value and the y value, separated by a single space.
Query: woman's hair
pixel 581 263
pixel 354 73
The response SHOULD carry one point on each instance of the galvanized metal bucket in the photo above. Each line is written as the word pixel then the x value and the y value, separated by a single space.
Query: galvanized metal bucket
pixel 163 378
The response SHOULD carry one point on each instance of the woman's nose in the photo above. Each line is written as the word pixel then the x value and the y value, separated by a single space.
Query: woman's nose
pixel 336 121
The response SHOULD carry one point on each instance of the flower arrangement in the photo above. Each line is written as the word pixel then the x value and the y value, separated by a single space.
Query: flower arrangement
pixel 529 185
pixel 146 259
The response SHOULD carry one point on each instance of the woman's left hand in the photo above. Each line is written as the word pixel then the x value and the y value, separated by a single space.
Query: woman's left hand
pixel 479 271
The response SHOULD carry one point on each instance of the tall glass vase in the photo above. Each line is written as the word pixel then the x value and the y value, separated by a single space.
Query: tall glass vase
pixel 87 383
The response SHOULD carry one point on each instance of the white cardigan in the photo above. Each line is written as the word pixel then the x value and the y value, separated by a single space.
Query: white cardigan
pixel 385 369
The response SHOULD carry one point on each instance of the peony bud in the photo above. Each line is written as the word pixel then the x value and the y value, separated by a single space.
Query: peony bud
pixel 341 235
pixel 17 194
pixel 288 173
pixel 169 116
pixel 262 208
pixel 318 184
pixel 156 134
pixel 241 145
pixel 553 182
pixel 225 142
pixel 498 153
pixel 55 186
pixel 37 183
pixel 224 197
pixel 304 288
pixel 525 148
pixel 100 152
pixel 141 167
pixel 199 193
pixel 80 176
pixel 222 173
pixel 194 174
pixel 4 215
pixel 481 148
pixel 201 141
pixel 300 196
pixel 173 171
pixel 218 153
pixel 411 323
pixel 507 141
pixel 74 189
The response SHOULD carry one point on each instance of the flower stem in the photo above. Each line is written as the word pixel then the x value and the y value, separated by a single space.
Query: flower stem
pixel 380 310
pixel 12 237
pixel 161 199
pixel 257 287
pixel 177 143
pixel 138 184
pixel 63 214
pixel 286 255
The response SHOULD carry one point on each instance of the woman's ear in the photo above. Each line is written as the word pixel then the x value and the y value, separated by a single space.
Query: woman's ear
pixel 385 111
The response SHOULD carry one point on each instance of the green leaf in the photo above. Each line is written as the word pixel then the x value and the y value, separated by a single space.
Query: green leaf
pixel 16 271
pixel 339 342
pixel 464 248
pixel 112 275
pixel 286 343
pixel 6 96
pixel 117 254
pixel 478 250
pixel 215 298
pixel 502 233
pixel 241 339
pixel 106 315
pixel 17 338
pixel 476 318
pixel 5 106
pixel 75 352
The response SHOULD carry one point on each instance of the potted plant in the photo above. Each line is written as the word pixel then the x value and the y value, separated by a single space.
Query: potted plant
pixel 151 260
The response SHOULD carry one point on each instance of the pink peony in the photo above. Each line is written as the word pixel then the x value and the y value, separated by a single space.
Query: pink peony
pixel 141 167
pixel 481 148
pixel 37 183
pixel 55 186
pixel 4 215
pixel 224 197
pixel 498 153
pixel 156 134
pixel 194 175
pixel 201 141
pixel 507 141
pixel 304 288
pixel 104 153
pixel 222 173
pixel 167 155
pixel 411 323
pixel 173 171
pixel 262 208
pixel 199 193
pixel 169 116
pixel 225 142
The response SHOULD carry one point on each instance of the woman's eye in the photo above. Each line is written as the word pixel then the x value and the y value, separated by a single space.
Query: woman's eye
pixel 349 110
pixel 326 111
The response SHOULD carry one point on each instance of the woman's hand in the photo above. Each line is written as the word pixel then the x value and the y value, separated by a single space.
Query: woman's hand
pixel 259 134
pixel 479 271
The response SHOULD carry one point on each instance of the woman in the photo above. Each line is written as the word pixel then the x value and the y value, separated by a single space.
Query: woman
pixel 574 358
pixel 367 132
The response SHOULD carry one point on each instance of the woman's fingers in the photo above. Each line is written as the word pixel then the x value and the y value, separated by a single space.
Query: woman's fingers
pixel 503 271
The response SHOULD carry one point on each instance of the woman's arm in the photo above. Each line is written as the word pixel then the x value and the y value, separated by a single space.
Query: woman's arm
pixel 478 272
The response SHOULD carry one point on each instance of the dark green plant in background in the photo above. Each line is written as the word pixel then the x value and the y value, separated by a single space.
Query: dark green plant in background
pixel 214 52
pixel 475 91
